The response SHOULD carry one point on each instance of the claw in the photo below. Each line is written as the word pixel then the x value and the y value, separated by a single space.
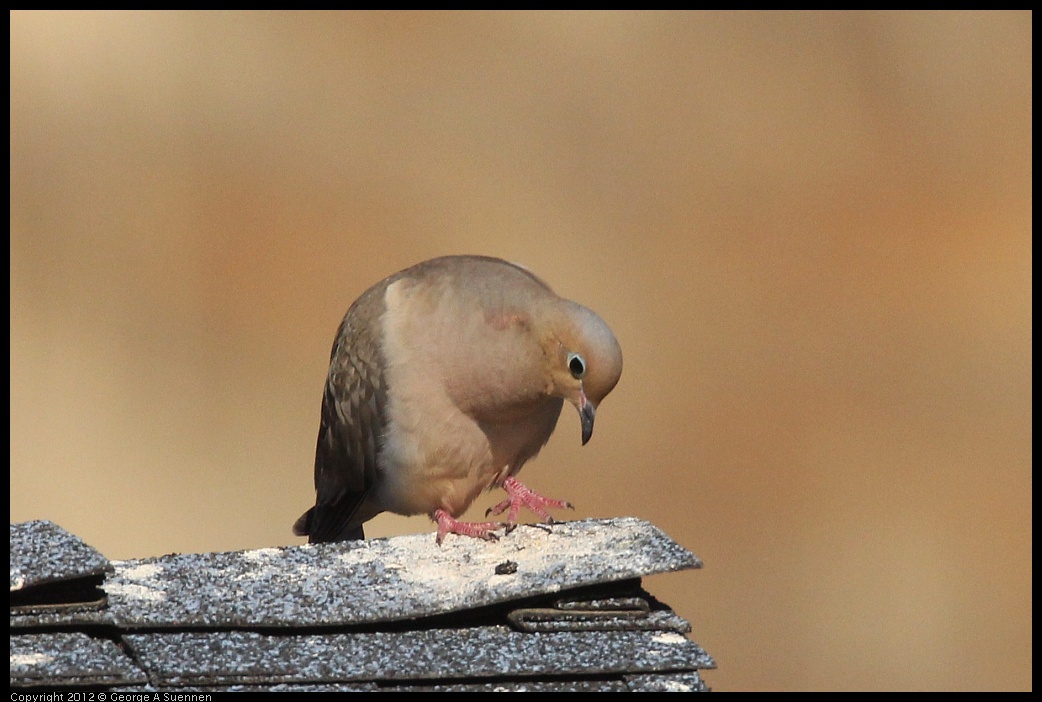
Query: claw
pixel 498 509
pixel 519 496
pixel 479 530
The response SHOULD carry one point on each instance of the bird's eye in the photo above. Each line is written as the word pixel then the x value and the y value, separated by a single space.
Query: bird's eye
pixel 576 365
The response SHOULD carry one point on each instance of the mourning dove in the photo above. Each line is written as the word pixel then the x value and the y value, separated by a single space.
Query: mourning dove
pixel 444 379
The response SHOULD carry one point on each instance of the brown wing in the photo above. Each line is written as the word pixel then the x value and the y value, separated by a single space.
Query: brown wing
pixel 353 420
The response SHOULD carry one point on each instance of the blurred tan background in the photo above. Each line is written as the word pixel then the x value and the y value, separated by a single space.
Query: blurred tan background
pixel 810 233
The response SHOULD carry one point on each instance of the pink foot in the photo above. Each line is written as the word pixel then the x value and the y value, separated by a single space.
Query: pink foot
pixel 479 530
pixel 521 495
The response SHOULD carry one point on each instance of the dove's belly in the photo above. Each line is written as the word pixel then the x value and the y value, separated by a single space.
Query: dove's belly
pixel 433 456
pixel 437 457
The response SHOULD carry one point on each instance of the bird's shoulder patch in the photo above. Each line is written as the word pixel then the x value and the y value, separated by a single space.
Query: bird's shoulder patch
pixel 500 319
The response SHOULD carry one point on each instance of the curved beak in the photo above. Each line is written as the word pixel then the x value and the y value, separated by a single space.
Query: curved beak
pixel 586 415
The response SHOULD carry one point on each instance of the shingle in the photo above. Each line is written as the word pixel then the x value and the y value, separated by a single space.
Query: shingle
pixel 55 578
pixel 383 580
pixel 69 659
pixel 43 553
pixel 473 653
pixel 688 681
pixel 540 610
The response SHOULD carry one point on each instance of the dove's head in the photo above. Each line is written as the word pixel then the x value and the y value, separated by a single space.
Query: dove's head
pixel 585 361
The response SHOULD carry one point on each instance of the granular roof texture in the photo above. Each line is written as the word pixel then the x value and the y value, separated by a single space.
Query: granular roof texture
pixel 540 610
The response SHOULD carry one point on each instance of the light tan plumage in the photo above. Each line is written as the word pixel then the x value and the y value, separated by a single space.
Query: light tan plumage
pixel 444 379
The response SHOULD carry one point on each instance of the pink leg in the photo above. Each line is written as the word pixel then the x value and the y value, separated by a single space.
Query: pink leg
pixel 519 496
pixel 479 530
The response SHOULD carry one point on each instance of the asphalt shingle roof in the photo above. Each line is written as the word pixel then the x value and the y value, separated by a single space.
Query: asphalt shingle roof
pixel 540 609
